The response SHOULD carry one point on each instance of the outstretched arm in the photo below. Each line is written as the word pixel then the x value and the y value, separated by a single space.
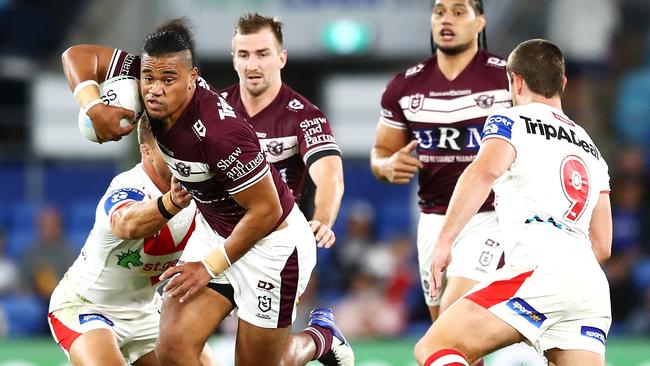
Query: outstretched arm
pixel 143 219
pixel 474 185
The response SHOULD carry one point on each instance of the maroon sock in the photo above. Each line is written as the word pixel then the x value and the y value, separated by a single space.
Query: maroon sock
pixel 322 338
pixel 480 363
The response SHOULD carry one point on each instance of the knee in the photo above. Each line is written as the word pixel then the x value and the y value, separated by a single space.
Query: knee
pixel 422 351
pixel 175 353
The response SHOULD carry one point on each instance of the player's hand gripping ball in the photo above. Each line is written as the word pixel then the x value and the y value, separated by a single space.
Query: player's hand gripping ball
pixel 120 91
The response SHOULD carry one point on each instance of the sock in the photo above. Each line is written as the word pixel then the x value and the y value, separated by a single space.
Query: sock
pixel 322 338
pixel 447 357
pixel 480 363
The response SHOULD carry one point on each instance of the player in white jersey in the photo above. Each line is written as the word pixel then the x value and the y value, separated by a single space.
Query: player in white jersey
pixel 552 190
pixel 105 311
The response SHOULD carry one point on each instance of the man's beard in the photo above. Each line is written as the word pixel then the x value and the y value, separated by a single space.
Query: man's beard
pixel 454 50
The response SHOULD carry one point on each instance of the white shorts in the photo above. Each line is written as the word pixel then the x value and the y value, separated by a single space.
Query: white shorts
pixel 269 279
pixel 476 252
pixel 135 329
pixel 562 302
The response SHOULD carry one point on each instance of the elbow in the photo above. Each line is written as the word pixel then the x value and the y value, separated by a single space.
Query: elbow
pixel 127 231
pixel 270 214
pixel 70 53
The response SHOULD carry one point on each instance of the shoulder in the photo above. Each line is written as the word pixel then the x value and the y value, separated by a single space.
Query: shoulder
pixel 212 108
pixel 294 102
pixel 413 72
pixel 126 186
pixel 123 63
pixel 128 178
pixel 492 61
pixel 218 122
pixel 229 93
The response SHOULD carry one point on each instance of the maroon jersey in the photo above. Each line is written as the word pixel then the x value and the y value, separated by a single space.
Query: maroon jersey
pixel 292 131
pixel 214 154
pixel 446 117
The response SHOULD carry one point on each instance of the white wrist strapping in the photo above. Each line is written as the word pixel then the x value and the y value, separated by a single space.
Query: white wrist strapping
pixel 225 255
pixel 91 104
pixel 84 84
pixel 207 268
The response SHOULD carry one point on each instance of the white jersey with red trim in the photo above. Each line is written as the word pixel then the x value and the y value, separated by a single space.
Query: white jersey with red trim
pixel 556 177
pixel 124 273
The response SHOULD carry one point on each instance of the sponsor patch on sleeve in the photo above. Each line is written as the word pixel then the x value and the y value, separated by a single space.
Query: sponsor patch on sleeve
pixel 594 333
pixel 121 195
pixel 528 312
pixel 85 318
pixel 497 125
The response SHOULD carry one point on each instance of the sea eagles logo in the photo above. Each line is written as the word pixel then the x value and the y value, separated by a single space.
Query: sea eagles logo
pixel 275 148
pixel 416 102
pixel 295 104
pixel 484 101
pixel 129 258
pixel 413 70
pixel 264 303
pixel 183 169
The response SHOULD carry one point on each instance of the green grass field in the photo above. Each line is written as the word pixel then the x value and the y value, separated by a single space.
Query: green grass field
pixel 43 352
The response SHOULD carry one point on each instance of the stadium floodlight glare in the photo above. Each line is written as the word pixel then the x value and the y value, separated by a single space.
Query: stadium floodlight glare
pixel 346 37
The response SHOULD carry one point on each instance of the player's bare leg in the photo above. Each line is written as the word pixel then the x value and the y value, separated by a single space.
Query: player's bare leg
pixel 322 340
pixel 559 357
pixel 185 328
pixel 259 346
pixel 298 350
pixel 97 347
pixel 148 359
pixel 467 328
pixel 456 288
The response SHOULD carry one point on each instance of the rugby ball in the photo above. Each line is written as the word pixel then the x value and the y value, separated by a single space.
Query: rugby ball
pixel 120 91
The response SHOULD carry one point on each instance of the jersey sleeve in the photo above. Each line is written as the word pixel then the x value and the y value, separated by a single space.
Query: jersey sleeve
pixel 315 137
pixel 236 157
pixel 502 125
pixel 391 112
pixel 118 194
pixel 123 64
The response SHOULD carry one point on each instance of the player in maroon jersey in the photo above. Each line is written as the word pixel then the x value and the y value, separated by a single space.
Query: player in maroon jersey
pixel 256 249
pixel 294 134
pixel 437 109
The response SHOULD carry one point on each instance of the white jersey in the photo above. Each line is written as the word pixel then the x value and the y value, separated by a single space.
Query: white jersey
pixel 556 177
pixel 124 273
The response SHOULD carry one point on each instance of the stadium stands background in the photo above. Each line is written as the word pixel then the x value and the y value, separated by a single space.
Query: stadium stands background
pixel 46 166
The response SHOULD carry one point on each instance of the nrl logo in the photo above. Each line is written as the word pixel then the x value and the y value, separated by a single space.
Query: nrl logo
pixel 183 169
pixel 484 101
pixel 129 258
pixel 416 102
pixel 275 148
pixel 485 259
pixel 264 303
